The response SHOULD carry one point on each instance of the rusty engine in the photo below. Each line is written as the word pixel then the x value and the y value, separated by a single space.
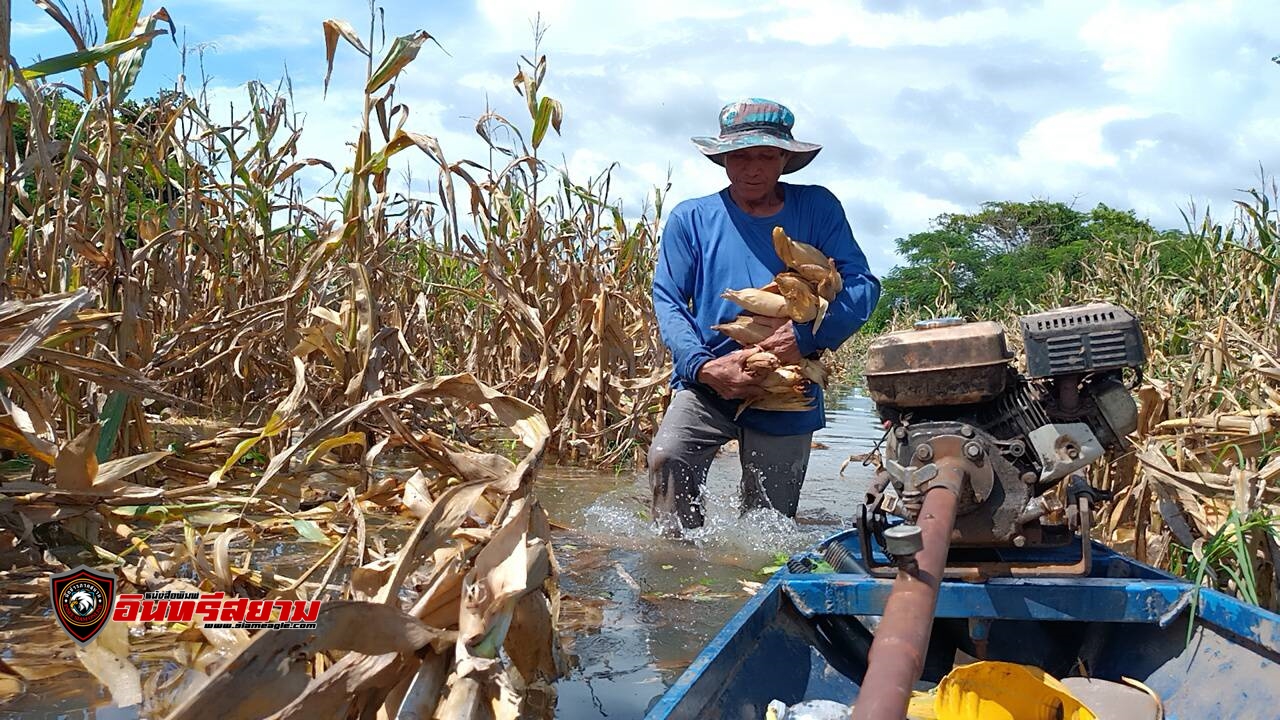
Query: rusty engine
pixel 974 455
pixel 949 388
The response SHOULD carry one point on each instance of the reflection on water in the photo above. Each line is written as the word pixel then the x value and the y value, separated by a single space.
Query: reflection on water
pixel 640 607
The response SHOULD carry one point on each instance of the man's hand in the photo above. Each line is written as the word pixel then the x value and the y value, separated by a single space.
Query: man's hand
pixel 728 377
pixel 782 343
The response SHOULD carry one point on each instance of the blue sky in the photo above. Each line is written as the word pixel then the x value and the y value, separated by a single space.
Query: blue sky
pixel 923 106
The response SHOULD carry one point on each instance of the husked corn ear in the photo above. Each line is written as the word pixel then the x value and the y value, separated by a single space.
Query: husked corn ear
pixel 801 302
pixel 794 253
pixel 758 302
pixel 831 283
pixel 745 329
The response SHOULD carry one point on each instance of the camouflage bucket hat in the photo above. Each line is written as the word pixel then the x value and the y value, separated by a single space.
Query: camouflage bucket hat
pixel 756 122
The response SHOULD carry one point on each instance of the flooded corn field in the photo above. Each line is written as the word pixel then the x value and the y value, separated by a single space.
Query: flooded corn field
pixel 637 607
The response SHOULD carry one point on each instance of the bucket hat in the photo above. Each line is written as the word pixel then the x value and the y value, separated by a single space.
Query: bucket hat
pixel 755 122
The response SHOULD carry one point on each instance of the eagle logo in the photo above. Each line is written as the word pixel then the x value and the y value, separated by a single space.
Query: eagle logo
pixel 82 603
pixel 82 599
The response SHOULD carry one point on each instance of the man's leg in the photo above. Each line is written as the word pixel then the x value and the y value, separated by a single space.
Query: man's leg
pixel 773 468
pixel 682 450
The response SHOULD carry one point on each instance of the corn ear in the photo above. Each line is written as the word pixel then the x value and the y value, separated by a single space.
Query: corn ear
pixel 794 253
pixel 762 362
pixel 831 283
pixel 801 302
pixel 785 379
pixel 745 330
pixel 758 302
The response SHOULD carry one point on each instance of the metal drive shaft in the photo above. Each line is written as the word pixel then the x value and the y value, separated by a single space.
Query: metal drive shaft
pixel 902 638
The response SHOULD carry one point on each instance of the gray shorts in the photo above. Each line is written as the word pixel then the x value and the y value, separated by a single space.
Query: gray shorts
pixel 773 466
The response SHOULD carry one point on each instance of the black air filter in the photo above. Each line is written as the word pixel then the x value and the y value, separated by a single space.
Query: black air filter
pixel 1080 339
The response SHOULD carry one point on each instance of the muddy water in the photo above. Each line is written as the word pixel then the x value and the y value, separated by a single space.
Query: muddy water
pixel 641 607
pixel 637 608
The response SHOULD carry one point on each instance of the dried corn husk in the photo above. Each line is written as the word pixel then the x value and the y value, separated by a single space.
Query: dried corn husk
pixel 787 378
pixel 777 402
pixel 814 371
pixel 759 302
pixel 745 330
pixel 801 302
pixel 831 284
pixel 813 273
pixel 794 253
pixel 762 362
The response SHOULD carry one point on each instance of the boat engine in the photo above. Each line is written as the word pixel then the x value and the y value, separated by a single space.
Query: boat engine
pixel 949 388
pixel 974 449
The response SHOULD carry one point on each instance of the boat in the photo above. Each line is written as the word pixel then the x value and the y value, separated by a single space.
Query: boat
pixel 974 543
pixel 806 635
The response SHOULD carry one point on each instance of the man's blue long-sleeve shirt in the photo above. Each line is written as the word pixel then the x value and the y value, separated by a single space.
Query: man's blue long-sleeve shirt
pixel 710 245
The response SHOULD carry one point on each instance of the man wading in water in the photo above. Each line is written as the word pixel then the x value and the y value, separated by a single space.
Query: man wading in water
pixel 724 241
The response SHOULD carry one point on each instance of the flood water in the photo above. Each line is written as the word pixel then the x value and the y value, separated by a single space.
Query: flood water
pixel 637 607
pixel 641 606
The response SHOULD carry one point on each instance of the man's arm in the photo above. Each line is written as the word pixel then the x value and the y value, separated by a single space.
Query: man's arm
pixel 673 286
pixel 852 307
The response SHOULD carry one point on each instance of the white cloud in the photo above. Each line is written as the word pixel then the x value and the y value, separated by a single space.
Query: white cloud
pixel 820 22
pixel 22 30
pixel 1071 138
pixel 924 106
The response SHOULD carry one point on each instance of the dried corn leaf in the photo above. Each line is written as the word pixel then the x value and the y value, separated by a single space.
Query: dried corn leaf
pixel 76 465
pixel 284 417
pixel 39 328
pixel 271 671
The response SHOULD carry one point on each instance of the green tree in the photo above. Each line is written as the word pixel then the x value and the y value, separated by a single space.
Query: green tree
pixel 1006 252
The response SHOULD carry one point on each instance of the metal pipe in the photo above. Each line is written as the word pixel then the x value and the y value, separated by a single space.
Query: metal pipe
pixel 902 638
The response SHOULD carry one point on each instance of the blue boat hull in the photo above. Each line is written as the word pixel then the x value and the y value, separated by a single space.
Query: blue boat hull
pixel 799 638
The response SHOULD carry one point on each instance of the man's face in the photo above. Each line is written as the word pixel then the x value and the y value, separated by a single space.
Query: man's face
pixel 753 172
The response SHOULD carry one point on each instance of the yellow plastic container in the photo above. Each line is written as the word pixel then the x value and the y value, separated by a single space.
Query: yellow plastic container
pixel 1005 691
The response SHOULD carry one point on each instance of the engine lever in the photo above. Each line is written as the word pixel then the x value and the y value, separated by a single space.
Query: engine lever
pixel 1077 486
pixel 866 531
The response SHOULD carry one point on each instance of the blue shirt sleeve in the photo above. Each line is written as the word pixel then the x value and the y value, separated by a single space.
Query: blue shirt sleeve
pixel 674 282
pixel 852 307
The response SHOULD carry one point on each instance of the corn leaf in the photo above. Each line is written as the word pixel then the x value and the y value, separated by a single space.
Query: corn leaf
pixel 333 29
pixel 124 14
pixel 402 52
pixel 549 115
pixel 88 56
